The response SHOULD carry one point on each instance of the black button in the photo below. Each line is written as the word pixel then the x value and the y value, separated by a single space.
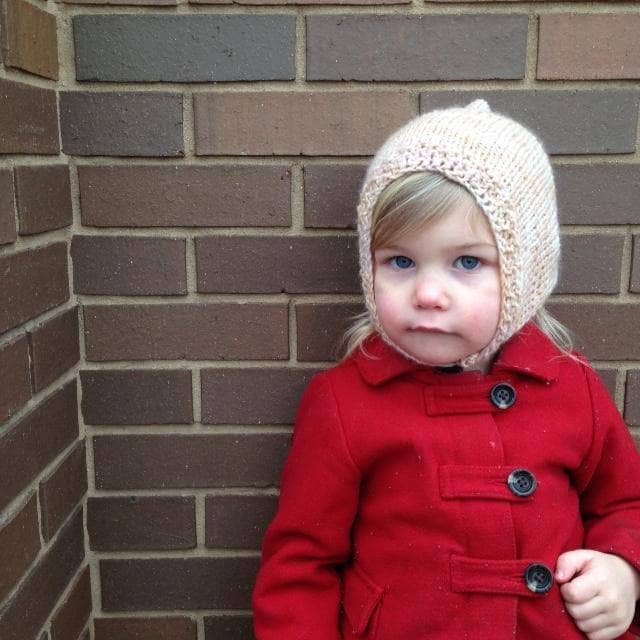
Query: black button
pixel 522 483
pixel 539 578
pixel 503 395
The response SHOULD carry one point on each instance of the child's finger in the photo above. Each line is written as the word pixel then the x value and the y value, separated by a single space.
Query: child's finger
pixel 572 562
pixel 586 610
pixel 580 589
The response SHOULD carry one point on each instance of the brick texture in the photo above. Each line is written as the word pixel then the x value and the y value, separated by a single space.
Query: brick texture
pixel 609 378
pixel 228 627
pixel 33 282
pixel 635 270
pixel 141 523
pixel 43 198
pixel 136 397
pixel 121 124
pixel 172 628
pixel 195 48
pixel 121 2
pixel 589 47
pixel 71 617
pixel 181 196
pixel 632 399
pixel 570 122
pixel 217 332
pixel 301 123
pixel 7 208
pixel 28 119
pixel 177 583
pixel 62 490
pixel 15 379
pixel 189 461
pixel 286 264
pixel 25 25
pixel 252 396
pixel 125 266
pixel 408 48
pixel 29 446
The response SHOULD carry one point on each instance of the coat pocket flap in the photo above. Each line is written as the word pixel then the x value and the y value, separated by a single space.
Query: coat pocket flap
pixel 360 597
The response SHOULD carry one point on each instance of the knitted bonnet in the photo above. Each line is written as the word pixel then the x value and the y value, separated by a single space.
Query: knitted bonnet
pixel 507 171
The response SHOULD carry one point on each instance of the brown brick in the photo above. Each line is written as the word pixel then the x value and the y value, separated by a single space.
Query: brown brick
pixel 635 270
pixel 589 47
pixel 301 2
pixel 567 121
pixel 609 378
pixel 19 545
pixel 136 523
pixel 598 193
pixel 603 331
pixel 54 348
pixel 125 266
pixel 216 332
pixel 136 397
pixel 632 399
pixel 252 396
pixel 121 2
pixel 28 119
pixel 268 264
pixel 145 629
pixel 186 196
pixel 32 282
pixel 44 198
pixel 419 47
pixel 121 123
pixel 189 461
pixel 177 583
pixel 238 522
pixel 238 627
pixel 590 263
pixel 29 446
pixel 71 617
pixel 331 195
pixel 62 490
pixel 7 208
pixel 32 605
pixel 321 328
pixel 15 379
pixel 31 43
pixel 297 123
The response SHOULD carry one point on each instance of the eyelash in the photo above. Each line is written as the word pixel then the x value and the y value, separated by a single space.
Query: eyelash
pixel 458 262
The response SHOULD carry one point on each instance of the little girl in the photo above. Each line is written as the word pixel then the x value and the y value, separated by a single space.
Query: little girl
pixel 461 474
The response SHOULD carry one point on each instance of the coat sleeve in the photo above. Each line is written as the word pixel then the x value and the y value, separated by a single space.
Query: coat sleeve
pixel 297 593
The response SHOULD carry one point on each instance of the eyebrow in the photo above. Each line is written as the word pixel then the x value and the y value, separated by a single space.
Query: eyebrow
pixel 458 247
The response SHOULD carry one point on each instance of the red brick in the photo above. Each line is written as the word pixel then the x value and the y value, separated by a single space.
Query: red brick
pixel 33 282
pixel 216 332
pixel 28 119
pixel 136 397
pixel 298 123
pixel 19 545
pixel 635 270
pixel 141 523
pixel 177 583
pixel 321 328
pixel 30 445
pixel 228 627
pixel 54 348
pixel 252 396
pixel 331 195
pixel 15 379
pixel 7 208
pixel 186 196
pixel 145 629
pixel 189 461
pixel 38 595
pixel 129 266
pixel 238 522
pixel 31 42
pixel 268 264
pixel 43 198
pixel 632 399
pixel 71 617
pixel 62 490
pixel 589 47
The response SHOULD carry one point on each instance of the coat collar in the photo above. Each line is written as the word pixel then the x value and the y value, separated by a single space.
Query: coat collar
pixel 529 353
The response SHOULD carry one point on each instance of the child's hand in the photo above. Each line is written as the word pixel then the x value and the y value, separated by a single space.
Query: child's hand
pixel 599 590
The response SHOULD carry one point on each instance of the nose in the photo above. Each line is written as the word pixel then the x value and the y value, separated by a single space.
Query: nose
pixel 430 293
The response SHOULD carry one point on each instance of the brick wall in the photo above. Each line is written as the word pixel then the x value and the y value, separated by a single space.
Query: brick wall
pixel 186 174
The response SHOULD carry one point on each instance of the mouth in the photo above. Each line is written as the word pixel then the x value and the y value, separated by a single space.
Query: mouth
pixel 426 330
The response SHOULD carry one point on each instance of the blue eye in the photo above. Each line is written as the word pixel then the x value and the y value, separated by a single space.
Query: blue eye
pixel 468 263
pixel 402 262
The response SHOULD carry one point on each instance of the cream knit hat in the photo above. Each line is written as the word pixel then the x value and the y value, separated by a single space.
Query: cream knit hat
pixel 504 166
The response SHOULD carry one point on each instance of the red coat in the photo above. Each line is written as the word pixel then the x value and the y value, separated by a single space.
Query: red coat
pixel 401 517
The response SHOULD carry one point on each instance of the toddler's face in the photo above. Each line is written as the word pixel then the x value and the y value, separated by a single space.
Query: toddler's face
pixel 437 290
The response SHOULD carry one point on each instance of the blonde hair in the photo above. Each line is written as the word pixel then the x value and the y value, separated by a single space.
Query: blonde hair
pixel 407 205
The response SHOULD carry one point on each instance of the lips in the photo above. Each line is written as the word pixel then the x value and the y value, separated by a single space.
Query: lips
pixel 427 330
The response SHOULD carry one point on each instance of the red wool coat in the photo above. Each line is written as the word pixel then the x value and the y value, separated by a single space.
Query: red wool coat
pixel 424 505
